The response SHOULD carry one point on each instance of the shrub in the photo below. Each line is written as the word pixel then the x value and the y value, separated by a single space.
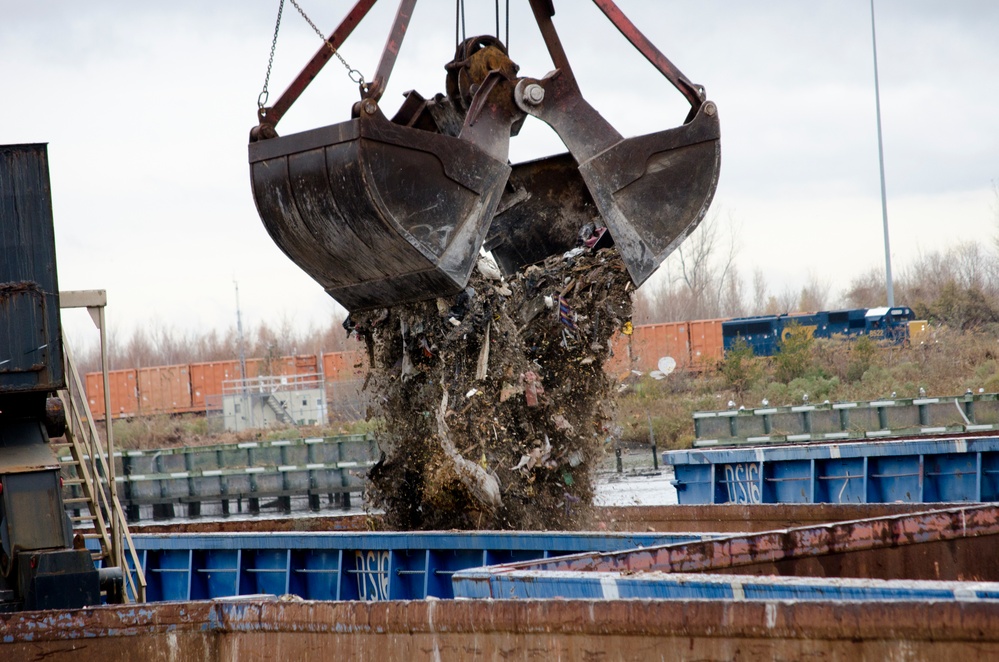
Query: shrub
pixel 740 368
pixel 794 358
pixel 863 352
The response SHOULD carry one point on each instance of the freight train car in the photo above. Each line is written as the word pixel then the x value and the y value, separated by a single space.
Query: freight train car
pixel 198 387
pixel 764 334
pixel 696 345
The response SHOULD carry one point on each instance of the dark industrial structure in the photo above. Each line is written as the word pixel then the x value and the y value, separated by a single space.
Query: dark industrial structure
pixel 39 567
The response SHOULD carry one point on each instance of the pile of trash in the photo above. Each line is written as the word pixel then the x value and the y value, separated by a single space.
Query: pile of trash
pixel 494 403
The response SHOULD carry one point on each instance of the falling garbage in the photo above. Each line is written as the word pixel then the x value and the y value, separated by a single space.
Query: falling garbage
pixel 493 404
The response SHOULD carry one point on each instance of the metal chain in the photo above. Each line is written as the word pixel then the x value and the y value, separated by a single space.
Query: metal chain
pixel 354 74
pixel 264 93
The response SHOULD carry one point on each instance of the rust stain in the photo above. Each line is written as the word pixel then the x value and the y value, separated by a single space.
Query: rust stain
pixel 970 522
pixel 255 629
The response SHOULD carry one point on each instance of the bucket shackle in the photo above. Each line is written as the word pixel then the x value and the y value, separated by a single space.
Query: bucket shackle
pixel 269 116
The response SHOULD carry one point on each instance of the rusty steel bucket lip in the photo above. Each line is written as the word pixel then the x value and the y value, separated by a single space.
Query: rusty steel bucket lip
pixel 375 127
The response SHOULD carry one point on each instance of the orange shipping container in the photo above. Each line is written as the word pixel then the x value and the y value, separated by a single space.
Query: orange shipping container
pixel 618 365
pixel 287 366
pixel 652 342
pixel 123 385
pixel 164 389
pixel 343 366
pixel 706 343
pixel 207 379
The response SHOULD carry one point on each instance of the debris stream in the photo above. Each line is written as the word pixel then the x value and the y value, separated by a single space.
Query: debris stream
pixel 494 403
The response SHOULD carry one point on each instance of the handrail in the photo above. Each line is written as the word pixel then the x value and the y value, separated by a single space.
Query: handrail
pixel 849 421
pixel 95 478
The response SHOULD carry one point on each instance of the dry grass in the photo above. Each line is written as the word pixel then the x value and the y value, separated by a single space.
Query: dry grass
pixel 946 362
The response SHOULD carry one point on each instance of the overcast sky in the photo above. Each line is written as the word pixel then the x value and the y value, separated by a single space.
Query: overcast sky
pixel 146 108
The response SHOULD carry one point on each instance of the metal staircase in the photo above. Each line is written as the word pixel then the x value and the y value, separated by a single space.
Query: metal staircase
pixel 89 489
pixel 279 409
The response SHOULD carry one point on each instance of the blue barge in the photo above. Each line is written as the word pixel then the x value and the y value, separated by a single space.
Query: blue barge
pixel 351 566
pixel 578 585
pixel 964 469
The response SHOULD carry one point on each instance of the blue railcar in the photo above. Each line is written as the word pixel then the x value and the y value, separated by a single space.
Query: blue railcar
pixel 764 333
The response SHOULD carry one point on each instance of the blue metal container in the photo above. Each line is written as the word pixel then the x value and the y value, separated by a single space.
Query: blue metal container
pixel 351 566
pixel 914 471
pixel 505 584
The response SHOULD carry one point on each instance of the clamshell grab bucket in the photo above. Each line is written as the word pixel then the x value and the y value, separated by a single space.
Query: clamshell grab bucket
pixel 650 192
pixel 377 213
pixel 653 190
pixel 382 213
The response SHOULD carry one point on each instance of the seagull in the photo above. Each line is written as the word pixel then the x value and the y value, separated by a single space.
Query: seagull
pixel 893 394
pixel 922 391
pixel 765 402
pixel 731 404
pixel 804 398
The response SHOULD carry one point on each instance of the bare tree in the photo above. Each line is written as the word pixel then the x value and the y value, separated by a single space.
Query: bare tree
pixel 783 303
pixel 733 302
pixel 814 295
pixel 700 278
pixel 995 210
pixel 760 293
pixel 159 345
pixel 866 290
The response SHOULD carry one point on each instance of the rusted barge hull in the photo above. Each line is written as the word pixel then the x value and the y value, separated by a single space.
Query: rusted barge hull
pixel 267 629
pixel 746 518
pixel 953 544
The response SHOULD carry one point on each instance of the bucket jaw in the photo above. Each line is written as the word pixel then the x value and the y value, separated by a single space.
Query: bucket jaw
pixel 649 191
pixel 380 212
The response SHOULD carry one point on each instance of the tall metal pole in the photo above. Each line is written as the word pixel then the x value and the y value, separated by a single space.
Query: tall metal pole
pixel 242 359
pixel 881 161
pixel 117 557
